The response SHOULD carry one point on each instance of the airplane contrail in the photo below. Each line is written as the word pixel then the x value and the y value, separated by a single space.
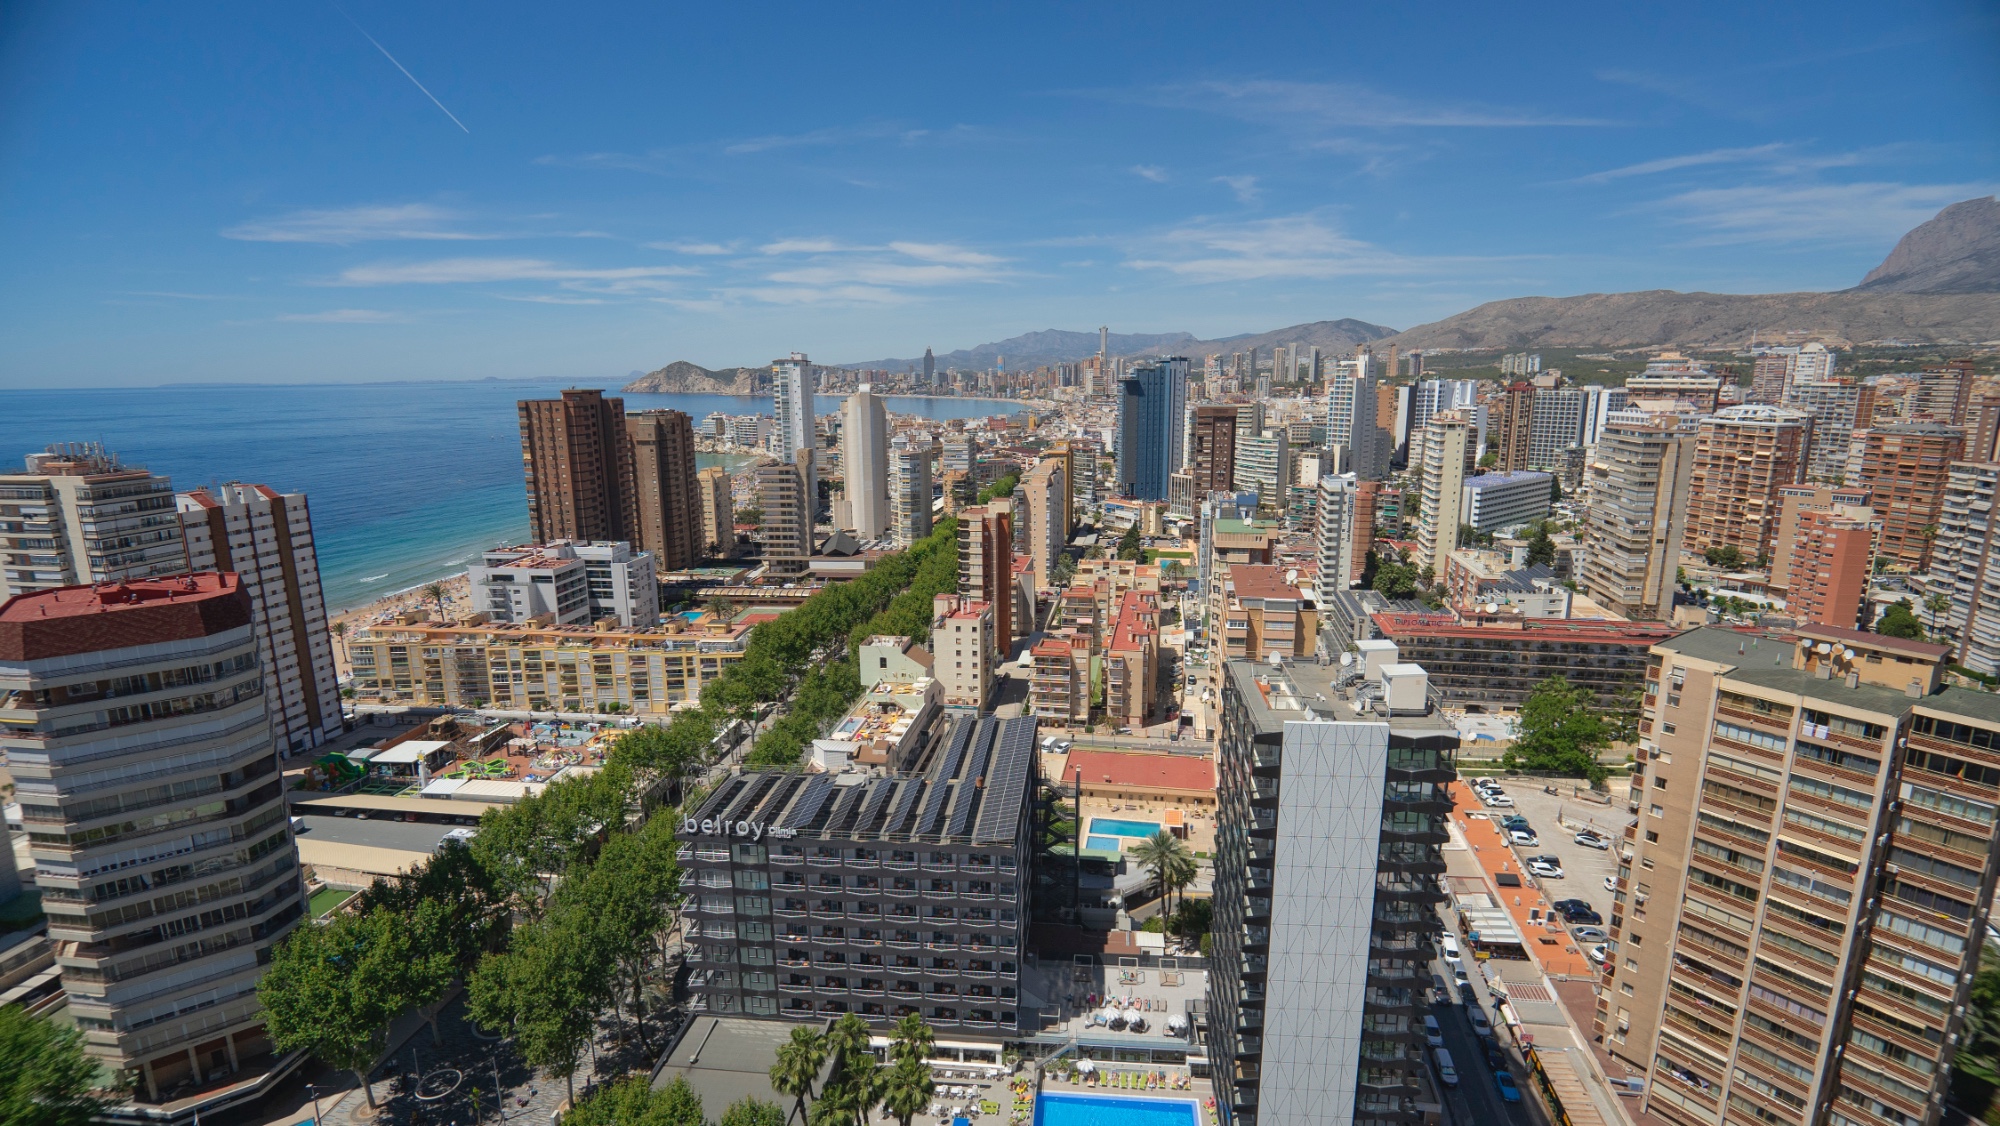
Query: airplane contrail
pixel 401 67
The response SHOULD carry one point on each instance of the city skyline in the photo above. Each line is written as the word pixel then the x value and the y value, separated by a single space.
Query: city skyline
pixel 336 225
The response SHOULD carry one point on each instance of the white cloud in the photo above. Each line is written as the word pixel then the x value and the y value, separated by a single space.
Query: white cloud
pixel 943 252
pixel 1151 172
pixel 1861 214
pixel 1243 187
pixel 346 317
pixel 450 271
pixel 1330 104
pixel 1294 246
pixel 550 299
pixel 822 138
pixel 342 226
pixel 1780 158
pixel 694 248
pixel 804 246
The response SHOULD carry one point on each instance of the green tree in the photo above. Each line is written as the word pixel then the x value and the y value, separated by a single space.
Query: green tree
pixel 332 989
pixel 436 592
pixel 1396 580
pixel 1192 918
pixel 907 1089
pixel 1166 858
pixel 1489 459
pixel 48 1079
pixel 1555 490
pixel 545 990
pixel 1935 604
pixel 1129 546
pixel 1561 731
pixel 1541 547
pixel 797 1067
pixel 1729 557
pixel 912 1039
pixel 1898 620
pixel 752 1111
pixel 751 515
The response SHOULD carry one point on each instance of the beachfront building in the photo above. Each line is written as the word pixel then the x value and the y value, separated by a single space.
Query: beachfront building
pixel 542 667
pixel 667 513
pixel 864 465
pixel 577 458
pixel 567 584
pixel 792 403
pixel 1333 810
pixel 718 511
pixel 812 897
pixel 266 537
pixel 79 515
pixel 1812 864
pixel 150 789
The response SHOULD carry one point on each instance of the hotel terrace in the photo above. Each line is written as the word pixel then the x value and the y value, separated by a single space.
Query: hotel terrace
pixel 477 663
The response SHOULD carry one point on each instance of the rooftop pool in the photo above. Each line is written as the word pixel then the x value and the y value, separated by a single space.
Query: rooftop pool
pixel 1113 1110
pixel 1118 827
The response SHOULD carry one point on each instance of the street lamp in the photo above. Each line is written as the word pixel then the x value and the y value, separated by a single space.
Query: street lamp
pixel 314 1093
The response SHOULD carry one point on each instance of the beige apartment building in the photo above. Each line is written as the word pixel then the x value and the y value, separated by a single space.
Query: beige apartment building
pixel 1905 466
pixel 1743 456
pixel 962 640
pixel 1638 478
pixel 718 510
pixel 1809 879
pixel 79 515
pixel 1047 494
pixel 1449 445
pixel 1260 614
pixel 476 663
pixel 784 491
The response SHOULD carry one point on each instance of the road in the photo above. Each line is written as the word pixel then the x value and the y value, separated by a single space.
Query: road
pixel 1476 1100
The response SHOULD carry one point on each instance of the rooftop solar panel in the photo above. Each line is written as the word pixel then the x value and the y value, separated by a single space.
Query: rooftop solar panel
pixel 806 806
pixel 1007 781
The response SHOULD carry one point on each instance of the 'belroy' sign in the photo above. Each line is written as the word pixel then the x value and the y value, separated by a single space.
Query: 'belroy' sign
pixel 714 827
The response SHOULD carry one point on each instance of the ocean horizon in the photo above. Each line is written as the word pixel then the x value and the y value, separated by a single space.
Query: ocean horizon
pixel 407 482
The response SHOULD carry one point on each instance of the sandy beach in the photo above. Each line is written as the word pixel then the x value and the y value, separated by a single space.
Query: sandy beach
pixel 457 601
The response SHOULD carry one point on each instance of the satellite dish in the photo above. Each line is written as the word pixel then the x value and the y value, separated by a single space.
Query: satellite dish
pixel 1823 648
pixel 1346 659
pixel 1847 654
pixel 1493 607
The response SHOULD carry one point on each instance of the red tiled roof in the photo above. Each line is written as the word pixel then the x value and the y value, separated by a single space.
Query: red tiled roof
pixel 88 619
pixel 1141 771
pixel 1261 582
pixel 1396 626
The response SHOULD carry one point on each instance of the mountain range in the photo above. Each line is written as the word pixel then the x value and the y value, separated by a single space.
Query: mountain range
pixel 1940 285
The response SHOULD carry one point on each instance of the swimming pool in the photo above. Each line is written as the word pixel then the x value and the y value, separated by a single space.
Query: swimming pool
pixel 1106 1110
pixel 1113 826
pixel 1103 844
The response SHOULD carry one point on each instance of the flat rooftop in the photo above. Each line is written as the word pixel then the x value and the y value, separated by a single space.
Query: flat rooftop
pixel 1302 691
pixel 726 1059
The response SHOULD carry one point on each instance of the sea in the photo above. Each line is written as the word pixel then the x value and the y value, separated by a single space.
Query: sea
pixel 408 482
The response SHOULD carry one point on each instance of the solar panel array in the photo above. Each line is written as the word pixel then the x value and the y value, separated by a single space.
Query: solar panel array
pixel 806 806
pixel 1007 774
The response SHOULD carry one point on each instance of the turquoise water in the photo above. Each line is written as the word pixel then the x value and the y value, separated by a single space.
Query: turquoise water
pixel 408 482
pixel 1124 828
pixel 1103 844
pixel 1104 1110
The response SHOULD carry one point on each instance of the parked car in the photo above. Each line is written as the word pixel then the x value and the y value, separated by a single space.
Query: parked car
pixel 1588 934
pixel 1451 950
pixel 1545 870
pixel 1508 1091
pixel 1494 1059
pixel 1480 1024
pixel 1523 838
pixel 1447 1073
pixel 1498 800
pixel 1610 883
pixel 1598 841
pixel 1433 1035
pixel 1515 821
pixel 1598 953
pixel 1563 905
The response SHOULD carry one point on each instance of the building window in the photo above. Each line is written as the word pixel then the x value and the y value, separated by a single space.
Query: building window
pixel 1666 729
pixel 1657 811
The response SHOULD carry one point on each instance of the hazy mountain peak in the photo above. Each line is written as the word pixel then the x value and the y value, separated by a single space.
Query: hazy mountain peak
pixel 1957 251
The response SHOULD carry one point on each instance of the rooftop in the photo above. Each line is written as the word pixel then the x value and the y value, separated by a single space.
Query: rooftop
pixel 1495 480
pixel 1141 770
pixel 85 619
pixel 1261 583
pixel 1306 691
pixel 1580 630
pixel 1920 649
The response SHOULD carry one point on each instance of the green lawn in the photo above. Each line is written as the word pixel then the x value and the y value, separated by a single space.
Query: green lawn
pixel 326 899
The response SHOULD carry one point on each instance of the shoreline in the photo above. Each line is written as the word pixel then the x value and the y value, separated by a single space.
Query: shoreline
pixel 457 601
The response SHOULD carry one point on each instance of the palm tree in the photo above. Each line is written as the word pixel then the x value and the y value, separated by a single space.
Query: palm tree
pixel 1938 603
pixel 721 609
pixel 797 1066
pixel 436 592
pixel 908 1087
pixel 912 1039
pixel 339 631
pixel 1182 874
pixel 1162 854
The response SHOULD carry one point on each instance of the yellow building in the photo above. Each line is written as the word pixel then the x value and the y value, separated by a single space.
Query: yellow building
pixel 571 668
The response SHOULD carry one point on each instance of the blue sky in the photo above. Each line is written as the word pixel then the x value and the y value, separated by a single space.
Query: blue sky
pixel 258 192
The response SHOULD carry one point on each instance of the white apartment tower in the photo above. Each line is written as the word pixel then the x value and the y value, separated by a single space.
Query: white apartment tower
pixel 266 537
pixel 1335 534
pixel 864 458
pixel 1447 444
pixel 78 515
pixel 792 402
pixel 910 492
pixel 1638 482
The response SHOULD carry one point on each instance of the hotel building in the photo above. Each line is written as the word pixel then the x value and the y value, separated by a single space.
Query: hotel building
pixel 567 584
pixel 810 896
pixel 1332 816
pixel 132 720
pixel 1811 870
pixel 541 667
pixel 1638 483
pixel 577 458
pixel 266 538
pixel 79 515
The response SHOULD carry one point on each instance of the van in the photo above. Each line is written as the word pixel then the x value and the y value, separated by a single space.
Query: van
pixel 1433 1035
pixel 1451 951
pixel 1447 1074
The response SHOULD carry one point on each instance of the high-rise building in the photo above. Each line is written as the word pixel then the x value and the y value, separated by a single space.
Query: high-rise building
pixel 930 369
pixel 1434 395
pixel 1151 404
pixel 910 500
pixel 665 500
pixel 1965 565
pixel 577 459
pixel 1044 489
pixel 864 460
pixel 266 538
pixel 567 583
pixel 1638 482
pixel 1447 446
pixel 1600 402
pixel 963 640
pixel 792 403
pixel 157 822
pixel 1944 393
pixel 1067 452
pixel 1212 452
pixel 784 493
pixel 1809 885
pixel 1982 429
pixel 1831 559
pixel 1335 534
pixel 79 515
pixel 1742 457
pixel 1904 466
pixel 986 567
pixel 1263 466
pixel 718 510
pixel 1512 427
pixel 1794 501
pixel 1555 424
pixel 1493 501
pixel 1331 818
pixel 1838 409
pixel 1351 408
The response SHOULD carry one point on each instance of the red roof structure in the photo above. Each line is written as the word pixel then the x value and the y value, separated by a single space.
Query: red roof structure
pixel 1141 771
pixel 69 620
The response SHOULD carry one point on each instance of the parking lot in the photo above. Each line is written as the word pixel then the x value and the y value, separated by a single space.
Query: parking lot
pixel 1555 818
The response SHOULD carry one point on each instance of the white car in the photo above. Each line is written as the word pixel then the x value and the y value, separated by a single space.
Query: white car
pixel 1610 883
pixel 1596 953
pixel 1451 951
pixel 1524 839
pixel 1598 841
pixel 1545 870
pixel 1498 800
pixel 1480 1024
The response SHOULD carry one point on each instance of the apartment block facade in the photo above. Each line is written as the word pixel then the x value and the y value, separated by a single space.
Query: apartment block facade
pixel 1448 447
pixel 1742 457
pixel 1638 485
pixel 785 492
pixel 1810 877
pixel 266 537
pixel 1046 491
pixel 962 637
pixel 910 501
pixel 718 510
pixel 1904 466
pixel 1832 557
pixel 1212 450
pixel 986 566
pixel 79 515
pixel 132 718
pixel 577 459
pixel 666 501
pixel 1966 565
pixel 811 896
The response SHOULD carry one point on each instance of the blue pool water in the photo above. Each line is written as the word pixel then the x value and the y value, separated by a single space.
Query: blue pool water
pixel 1106 1110
pixel 1103 844
pixel 1118 827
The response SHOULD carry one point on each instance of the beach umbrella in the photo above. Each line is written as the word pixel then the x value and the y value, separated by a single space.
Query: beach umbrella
pixel 1134 1016
pixel 1176 1020
pixel 1086 1066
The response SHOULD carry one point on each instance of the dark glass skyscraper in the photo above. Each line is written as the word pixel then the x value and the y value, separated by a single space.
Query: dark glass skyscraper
pixel 1152 405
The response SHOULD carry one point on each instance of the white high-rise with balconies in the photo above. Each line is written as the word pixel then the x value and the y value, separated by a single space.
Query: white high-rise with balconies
pixel 79 515
pixel 864 459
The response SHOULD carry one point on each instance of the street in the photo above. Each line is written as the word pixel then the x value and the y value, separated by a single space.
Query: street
pixel 1476 1100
